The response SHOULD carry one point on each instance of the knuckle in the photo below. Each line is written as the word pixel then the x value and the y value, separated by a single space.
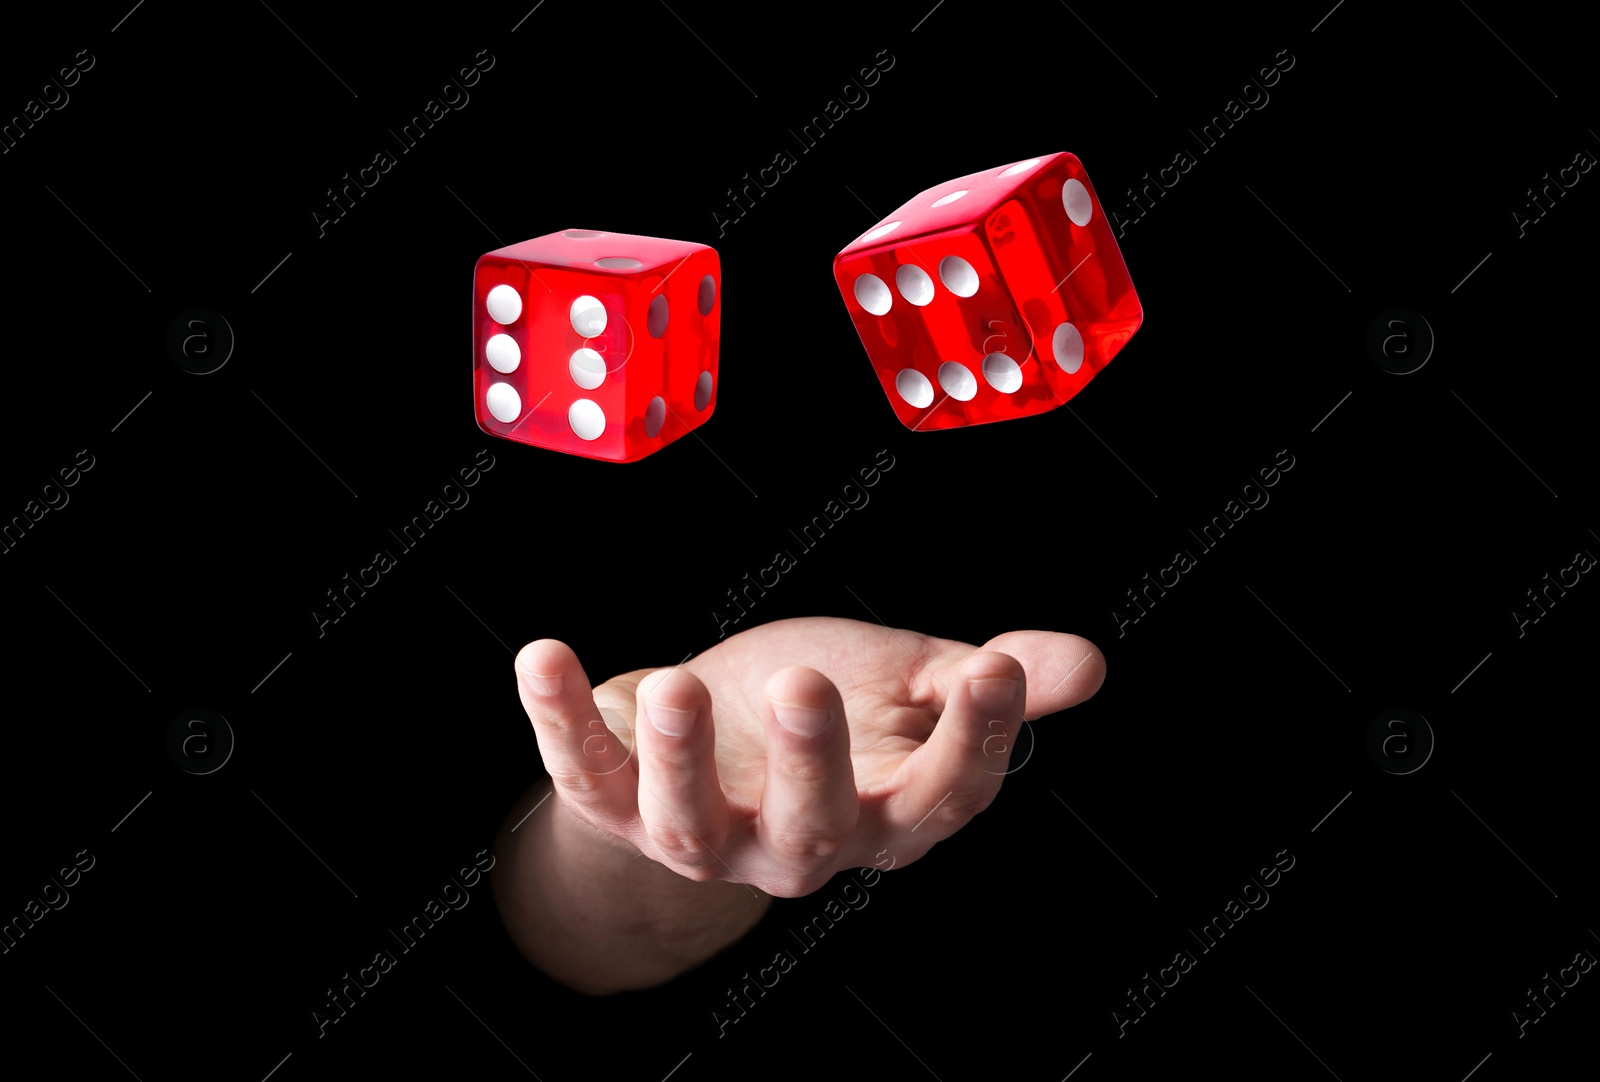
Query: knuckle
pixel 805 846
pixel 696 873
pixel 681 848
pixel 805 769
pixel 959 808
pixel 577 783
pixel 674 760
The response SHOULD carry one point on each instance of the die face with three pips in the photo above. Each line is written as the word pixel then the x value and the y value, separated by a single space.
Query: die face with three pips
pixel 995 295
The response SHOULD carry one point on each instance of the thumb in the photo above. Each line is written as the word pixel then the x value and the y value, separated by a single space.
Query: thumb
pixel 1062 670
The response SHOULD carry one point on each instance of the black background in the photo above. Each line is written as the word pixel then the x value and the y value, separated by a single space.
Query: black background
pixel 378 757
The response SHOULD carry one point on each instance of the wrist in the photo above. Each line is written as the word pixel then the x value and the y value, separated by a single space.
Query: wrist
pixel 593 912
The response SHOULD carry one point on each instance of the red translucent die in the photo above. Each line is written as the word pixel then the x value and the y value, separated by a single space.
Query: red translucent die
pixel 596 344
pixel 997 295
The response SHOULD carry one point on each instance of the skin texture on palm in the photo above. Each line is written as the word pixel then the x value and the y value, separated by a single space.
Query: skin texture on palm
pixel 763 766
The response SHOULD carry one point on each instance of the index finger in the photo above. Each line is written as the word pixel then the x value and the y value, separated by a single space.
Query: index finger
pixel 591 767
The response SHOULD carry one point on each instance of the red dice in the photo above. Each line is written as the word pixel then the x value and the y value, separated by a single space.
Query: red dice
pixel 997 295
pixel 597 344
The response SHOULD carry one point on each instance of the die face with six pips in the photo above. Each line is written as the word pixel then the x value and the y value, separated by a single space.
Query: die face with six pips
pixel 596 344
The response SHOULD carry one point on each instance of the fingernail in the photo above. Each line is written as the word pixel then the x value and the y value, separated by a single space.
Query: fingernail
pixel 669 721
pixel 548 685
pixel 990 693
pixel 801 720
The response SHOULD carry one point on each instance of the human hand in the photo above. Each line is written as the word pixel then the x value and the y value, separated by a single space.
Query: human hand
pixel 799 748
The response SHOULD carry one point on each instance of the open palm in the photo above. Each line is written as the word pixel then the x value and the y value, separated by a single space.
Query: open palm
pixel 798 748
